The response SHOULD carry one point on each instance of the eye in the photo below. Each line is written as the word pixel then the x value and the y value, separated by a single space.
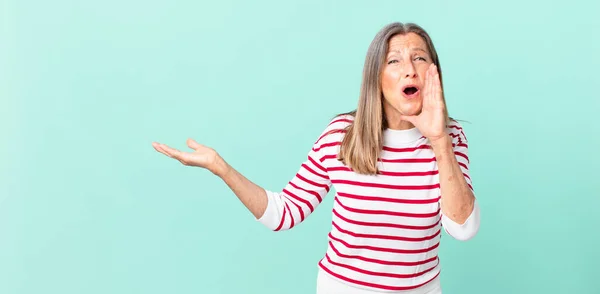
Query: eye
pixel 420 58
pixel 392 61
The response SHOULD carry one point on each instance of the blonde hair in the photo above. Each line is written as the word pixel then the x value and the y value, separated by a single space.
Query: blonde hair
pixel 363 141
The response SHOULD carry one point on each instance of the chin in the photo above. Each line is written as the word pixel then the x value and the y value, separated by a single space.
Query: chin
pixel 410 110
pixel 404 107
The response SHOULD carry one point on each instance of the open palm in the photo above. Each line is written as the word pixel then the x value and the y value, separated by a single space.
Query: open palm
pixel 202 156
pixel 431 122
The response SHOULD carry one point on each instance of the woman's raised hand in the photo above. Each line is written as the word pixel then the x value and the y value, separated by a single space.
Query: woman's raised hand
pixel 201 156
pixel 253 196
pixel 431 122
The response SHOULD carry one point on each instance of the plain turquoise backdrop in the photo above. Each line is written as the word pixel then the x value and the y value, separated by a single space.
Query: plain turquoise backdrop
pixel 88 206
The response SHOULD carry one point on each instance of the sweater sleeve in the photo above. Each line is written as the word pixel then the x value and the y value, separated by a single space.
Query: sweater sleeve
pixel 470 227
pixel 305 191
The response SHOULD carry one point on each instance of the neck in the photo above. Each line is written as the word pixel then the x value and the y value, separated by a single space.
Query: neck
pixel 393 119
pixel 397 124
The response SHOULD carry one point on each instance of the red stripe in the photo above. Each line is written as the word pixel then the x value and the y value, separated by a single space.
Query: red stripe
pixel 399 226
pixel 388 173
pixel 379 286
pixel 386 212
pixel 395 160
pixel 329 156
pixel 282 220
pixel 462 155
pixel 391 275
pixel 313 171
pixel 460 141
pixel 291 216
pixel 385 148
pixel 387 186
pixel 330 144
pixel 319 166
pixel 409 174
pixel 286 191
pixel 386 199
pixel 385 237
pixel 323 186
pixel 392 250
pixel 379 261
pixel 310 192
pixel 335 131
pixel 463 165
pixel 297 198
pixel 399 160
pixel 409 160
pixel 460 129
pixel 340 120
pixel 409 149
pixel 455 127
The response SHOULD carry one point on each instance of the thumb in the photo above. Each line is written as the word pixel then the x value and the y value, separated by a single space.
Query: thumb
pixel 193 144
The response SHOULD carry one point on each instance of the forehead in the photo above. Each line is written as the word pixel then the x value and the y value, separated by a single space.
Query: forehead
pixel 405 42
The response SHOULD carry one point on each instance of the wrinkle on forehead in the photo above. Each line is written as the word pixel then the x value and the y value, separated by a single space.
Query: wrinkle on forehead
pixel 409 49
pixel 407 43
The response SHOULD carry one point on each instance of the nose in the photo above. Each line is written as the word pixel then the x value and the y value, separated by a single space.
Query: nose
pixel 409 70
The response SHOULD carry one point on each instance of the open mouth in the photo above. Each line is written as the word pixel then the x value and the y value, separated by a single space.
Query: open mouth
pixel 410 90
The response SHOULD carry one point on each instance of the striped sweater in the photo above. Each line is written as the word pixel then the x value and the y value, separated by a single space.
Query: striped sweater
pixel 385 229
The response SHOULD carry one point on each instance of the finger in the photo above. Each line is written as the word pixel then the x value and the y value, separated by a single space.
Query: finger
pixel 437 86
pixel 172 152
pixel 155 146
pixel 158 148
pixel 429 85
pixel 193 144
pixel 426 84
pixel 425 87
pixel 183 157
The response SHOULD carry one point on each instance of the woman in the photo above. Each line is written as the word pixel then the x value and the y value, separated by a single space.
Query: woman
pixel 398 163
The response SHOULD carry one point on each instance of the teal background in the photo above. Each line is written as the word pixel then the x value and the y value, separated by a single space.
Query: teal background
pixel 88 206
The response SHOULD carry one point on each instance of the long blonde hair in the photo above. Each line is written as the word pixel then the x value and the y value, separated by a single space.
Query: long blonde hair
pixel 363 141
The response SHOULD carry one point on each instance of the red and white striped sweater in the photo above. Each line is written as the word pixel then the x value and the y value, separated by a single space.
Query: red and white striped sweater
pixel 386 229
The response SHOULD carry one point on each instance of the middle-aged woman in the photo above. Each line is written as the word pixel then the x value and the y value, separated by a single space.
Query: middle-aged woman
pixel 400 168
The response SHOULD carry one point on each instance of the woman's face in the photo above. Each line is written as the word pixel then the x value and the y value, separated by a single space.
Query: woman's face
pixel 403 75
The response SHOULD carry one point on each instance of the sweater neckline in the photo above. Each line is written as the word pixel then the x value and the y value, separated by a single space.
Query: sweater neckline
pixel 395 137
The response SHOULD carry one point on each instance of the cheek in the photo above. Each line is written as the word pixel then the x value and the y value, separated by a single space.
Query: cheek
pixel 389 80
